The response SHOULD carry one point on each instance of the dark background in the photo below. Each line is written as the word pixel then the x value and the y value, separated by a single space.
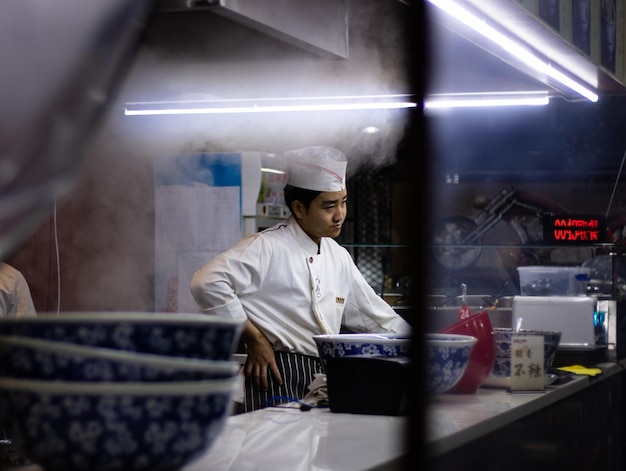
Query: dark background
pixel 565 141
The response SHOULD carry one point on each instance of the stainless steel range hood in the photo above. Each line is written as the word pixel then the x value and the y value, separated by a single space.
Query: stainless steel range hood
pixel 230 30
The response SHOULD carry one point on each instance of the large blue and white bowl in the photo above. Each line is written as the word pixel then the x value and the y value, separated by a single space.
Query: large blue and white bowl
pixel 81 426
pixel 447 357
pixel 183 335
pixel 31 358
pixel 363 345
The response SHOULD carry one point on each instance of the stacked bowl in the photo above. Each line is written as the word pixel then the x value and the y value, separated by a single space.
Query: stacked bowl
pixel 447 359
pixel 116 391
pixel 362 345
pixel 483 356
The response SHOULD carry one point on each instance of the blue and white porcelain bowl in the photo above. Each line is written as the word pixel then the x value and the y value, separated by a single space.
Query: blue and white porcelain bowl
pixel 182 335
pixel 447 357
pixel 31 358
pixel 363 345
pixel 63 425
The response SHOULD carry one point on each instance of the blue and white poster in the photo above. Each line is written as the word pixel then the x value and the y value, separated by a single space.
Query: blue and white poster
pixel 197 216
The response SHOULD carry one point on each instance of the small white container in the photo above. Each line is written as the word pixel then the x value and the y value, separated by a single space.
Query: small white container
pixel 573 316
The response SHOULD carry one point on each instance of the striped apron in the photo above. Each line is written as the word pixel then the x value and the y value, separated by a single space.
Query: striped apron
pixel 297 371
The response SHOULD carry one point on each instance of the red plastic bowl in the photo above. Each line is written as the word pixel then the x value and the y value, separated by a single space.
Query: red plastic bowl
pixel 483 356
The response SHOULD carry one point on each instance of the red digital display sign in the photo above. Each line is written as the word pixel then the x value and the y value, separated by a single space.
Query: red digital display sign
pixel 577 229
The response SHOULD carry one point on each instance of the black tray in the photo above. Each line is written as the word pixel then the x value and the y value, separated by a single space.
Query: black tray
pixel 588 356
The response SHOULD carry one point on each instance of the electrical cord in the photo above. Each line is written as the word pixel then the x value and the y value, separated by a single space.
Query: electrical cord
pixel 619 173
pixel 58 260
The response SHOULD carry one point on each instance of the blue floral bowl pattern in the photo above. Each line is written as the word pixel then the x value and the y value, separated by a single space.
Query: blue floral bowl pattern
pixel 113 426
pixel 183 335
pixel 364 345
pixel 30 358
pixel 502 367
pixel 447 357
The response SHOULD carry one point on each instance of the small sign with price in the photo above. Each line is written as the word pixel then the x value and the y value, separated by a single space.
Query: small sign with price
pixel 527 360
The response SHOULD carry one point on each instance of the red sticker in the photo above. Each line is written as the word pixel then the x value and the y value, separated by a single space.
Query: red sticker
pixel 464 312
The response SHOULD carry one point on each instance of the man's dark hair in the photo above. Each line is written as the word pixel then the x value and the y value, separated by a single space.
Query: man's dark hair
pixel 293 193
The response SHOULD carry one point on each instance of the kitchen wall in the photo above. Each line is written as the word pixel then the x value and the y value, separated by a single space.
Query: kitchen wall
pixel 104 232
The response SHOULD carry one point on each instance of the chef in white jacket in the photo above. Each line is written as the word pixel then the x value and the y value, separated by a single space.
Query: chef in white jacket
pixel 15 297
pixel 292 281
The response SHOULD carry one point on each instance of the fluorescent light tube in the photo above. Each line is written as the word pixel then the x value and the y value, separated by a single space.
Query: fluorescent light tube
pixel 466 100
pixel 269 105
pixel 509 44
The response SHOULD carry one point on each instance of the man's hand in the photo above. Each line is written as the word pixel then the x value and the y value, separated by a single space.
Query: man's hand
pixel 260 357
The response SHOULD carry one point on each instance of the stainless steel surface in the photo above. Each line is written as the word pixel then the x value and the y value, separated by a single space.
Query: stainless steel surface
pixel 227 28
pixel 479 300
pixel 442 311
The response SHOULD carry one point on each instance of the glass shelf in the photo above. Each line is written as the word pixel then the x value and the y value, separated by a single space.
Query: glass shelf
pixel 491 269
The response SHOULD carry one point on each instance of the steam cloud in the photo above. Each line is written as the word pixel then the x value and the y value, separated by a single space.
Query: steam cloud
pixel 105 231
pixel 377 64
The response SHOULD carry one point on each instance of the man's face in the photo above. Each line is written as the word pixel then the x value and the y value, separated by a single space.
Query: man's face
pixel 325 215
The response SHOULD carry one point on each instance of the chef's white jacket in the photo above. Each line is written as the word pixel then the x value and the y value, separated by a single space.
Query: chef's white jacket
pixel 277 279
pixel 15 297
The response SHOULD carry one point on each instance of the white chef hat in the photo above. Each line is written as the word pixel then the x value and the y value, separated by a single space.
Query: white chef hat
pixel 316 168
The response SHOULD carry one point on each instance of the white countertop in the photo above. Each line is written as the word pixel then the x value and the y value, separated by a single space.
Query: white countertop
pixel 285 437
pixel 288 438
pixel 280 438
pixel 456 419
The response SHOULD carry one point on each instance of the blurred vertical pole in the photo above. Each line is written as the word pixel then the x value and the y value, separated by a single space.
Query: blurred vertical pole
pixel 416 157
pixel 62 62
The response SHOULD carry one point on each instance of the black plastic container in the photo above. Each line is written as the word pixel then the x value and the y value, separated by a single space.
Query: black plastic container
pixel 368 385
